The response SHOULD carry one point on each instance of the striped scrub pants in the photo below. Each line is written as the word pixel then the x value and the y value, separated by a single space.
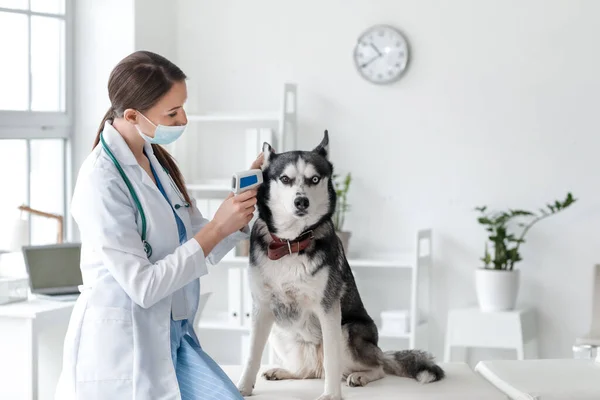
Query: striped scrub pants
pixel 199 376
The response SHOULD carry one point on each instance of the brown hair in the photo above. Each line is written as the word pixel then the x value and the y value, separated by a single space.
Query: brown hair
pixel 138 82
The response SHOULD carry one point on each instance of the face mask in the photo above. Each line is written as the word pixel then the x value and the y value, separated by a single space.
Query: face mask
pixel 163 134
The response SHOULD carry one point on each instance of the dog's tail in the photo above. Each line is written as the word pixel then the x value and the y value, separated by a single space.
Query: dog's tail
pixel 414 364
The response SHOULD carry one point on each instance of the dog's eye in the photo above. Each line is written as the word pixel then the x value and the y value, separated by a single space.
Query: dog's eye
pixel 284 179
pixel 315 179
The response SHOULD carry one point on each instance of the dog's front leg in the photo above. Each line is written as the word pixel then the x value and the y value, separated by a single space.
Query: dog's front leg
pixel 262 322
pixel 330 317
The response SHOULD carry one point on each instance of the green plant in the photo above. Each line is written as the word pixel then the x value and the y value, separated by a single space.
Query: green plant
pixel 342 206
pixel 506 244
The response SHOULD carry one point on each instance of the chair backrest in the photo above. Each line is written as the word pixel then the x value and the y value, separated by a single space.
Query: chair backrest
pixel 595 328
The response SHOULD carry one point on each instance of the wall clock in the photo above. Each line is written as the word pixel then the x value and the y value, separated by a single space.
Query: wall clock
pixel 381 54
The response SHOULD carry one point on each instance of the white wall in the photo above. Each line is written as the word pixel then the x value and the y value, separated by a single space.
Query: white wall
pixel 497 108
pixel 104 34
pixel 155 27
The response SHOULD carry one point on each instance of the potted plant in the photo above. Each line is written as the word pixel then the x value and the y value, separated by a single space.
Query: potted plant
pixel 497 283
pixel 342 206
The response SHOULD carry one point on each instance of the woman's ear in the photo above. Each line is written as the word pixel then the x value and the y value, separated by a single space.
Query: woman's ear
pixel 130 116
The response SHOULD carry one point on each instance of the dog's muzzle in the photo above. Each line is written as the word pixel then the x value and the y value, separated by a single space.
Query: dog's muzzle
pixel 301 203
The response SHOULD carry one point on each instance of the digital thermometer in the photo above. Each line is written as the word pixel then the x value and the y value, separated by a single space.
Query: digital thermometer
pixel 246 180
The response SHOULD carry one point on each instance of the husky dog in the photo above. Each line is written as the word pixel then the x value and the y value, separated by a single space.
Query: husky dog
pixel 303 290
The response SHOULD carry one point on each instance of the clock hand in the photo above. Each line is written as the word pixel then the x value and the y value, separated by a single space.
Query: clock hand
pixel 376 49
pixel 363 65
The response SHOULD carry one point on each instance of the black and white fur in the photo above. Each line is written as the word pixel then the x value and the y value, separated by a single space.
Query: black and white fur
pixel 308 301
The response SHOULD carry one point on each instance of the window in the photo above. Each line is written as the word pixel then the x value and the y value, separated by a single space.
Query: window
pixel 34 170
pixel 35 113
pixel 34 78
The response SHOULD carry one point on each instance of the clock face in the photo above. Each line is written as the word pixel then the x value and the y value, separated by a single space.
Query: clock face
pixel 381 54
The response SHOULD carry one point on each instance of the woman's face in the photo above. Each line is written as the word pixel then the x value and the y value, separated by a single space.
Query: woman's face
pixel 168 111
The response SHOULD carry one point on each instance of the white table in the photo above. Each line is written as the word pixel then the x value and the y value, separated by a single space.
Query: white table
pixel 461 383
pixel 470 327
pixel 31 338
pixel 560 379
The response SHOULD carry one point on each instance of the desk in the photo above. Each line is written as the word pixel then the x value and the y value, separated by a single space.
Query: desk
pixel 32 334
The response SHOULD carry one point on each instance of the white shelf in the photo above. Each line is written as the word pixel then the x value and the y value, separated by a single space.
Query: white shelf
pixel 209 186
pixel 248 119
pixel 220 188
pixel 391 335
pixel 220 324
pixel 403 335
pixel 402 262
pixel 397 262
pixel 241 261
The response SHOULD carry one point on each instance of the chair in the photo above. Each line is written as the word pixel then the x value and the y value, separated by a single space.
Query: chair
pixel 587 345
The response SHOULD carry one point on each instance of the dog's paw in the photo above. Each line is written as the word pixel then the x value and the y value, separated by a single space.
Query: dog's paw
pixel 356 379
pixel 330 397
pixel 277 374
pixel 245 388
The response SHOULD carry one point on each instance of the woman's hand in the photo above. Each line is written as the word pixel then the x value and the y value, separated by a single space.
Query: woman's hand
pixel 233 215
pixel 259 160
pixel 235 212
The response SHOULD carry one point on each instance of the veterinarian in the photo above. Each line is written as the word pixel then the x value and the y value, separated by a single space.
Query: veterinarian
pixel 144 246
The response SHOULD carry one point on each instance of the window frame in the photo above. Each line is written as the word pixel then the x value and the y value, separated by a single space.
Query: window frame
pixel 43 124
pixel 28 125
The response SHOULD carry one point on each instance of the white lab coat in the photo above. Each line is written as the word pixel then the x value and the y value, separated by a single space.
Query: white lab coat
pixel 118 342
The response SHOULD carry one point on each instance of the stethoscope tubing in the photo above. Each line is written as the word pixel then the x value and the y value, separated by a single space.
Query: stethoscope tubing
pixel 136 200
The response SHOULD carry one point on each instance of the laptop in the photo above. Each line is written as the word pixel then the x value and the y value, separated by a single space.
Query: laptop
pixel 53 270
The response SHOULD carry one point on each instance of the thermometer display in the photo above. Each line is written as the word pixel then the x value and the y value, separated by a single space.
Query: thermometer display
pixel 246 180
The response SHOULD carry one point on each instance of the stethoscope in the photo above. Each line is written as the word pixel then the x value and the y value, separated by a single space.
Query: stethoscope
pixel 136 200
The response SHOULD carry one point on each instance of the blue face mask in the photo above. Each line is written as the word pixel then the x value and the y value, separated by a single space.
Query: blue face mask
pixel 162 134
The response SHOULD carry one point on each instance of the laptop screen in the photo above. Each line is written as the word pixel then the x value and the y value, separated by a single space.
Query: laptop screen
pixel 53 268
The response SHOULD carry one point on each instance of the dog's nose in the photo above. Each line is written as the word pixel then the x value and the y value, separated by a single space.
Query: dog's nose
pixel 301 203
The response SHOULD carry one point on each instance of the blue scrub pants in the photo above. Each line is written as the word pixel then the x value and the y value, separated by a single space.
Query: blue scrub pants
pixel 198 375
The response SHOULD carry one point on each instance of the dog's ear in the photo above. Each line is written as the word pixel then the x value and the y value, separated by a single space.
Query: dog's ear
pixel 267 154
pixel 323 147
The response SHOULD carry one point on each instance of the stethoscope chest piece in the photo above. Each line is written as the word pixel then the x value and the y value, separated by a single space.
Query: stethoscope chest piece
pixel 147 248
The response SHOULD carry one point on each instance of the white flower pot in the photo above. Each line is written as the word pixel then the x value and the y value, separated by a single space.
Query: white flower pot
pixel 496 289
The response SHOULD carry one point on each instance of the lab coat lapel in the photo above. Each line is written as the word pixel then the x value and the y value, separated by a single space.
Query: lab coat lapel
pixel 117 145
pixel 146 180
pixel 124 154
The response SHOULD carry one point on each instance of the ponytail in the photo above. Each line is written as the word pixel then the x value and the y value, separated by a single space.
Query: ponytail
pixel 163 156
pixel 168 162
pixel 110 114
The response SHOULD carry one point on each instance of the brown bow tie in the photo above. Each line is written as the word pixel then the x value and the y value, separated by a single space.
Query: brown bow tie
pixel 282 247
